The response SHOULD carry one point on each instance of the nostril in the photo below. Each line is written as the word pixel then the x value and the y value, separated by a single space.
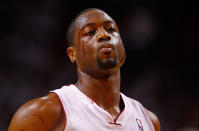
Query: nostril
pixel 108 38
pixel 101 39
pixel 105 38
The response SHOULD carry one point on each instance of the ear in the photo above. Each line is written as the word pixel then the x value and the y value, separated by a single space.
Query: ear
pixel 71 53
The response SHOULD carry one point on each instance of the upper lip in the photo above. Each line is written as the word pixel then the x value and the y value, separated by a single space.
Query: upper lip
pixel 107 45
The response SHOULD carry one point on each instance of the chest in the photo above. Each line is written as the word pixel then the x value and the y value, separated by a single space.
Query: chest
pixel 90 117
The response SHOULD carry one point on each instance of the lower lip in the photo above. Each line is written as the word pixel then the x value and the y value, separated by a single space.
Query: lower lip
pixel 106 49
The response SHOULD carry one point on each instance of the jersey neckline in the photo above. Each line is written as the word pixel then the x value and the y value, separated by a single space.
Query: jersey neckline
pixel 118 120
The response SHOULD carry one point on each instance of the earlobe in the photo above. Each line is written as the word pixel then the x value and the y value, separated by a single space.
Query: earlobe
pixel 71 53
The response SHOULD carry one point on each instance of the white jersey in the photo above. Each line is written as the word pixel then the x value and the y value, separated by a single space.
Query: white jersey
pixel 83 114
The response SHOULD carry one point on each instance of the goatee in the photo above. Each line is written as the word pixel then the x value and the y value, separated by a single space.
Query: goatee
pixel 107 63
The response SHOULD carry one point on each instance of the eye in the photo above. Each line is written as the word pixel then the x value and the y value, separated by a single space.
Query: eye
pixel 110 29
pixel 90 33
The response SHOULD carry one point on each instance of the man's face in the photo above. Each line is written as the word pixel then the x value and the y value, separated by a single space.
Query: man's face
pixel 98 46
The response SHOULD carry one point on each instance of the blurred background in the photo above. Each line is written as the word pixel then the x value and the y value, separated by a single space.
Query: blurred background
pixel 161 41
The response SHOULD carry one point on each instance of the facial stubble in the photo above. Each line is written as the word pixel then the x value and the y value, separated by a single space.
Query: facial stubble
pixel 107 63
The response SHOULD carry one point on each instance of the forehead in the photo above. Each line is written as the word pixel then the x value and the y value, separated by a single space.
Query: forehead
pixel 93 16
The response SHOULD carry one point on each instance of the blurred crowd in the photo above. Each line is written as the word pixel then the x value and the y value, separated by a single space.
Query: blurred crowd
pixel 161 43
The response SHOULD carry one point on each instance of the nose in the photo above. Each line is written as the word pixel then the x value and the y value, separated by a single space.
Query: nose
pixel 103 36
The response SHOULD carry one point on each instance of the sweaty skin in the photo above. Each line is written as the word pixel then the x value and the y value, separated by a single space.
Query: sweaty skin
pixel 40 114
pixel 99 54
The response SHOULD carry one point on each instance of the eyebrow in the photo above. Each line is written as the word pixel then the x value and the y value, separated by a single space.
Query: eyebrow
pixel 92 24
pixel 88 24
pixel 109 22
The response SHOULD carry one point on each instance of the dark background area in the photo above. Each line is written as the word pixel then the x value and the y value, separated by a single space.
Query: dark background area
pixel 161 42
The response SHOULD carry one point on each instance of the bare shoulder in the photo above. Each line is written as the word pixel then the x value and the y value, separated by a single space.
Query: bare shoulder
pixel 154 119
pixel 40 114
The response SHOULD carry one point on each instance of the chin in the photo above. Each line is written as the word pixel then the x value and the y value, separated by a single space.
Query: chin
pixel 107 63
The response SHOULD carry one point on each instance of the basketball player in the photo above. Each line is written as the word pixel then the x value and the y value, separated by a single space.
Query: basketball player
pixel 95 102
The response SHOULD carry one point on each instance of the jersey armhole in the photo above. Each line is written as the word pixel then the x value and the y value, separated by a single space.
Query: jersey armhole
pixel 60 100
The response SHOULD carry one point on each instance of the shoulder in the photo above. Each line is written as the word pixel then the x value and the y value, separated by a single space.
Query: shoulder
pixel 151 115
pixel 41 114
pixel 154 119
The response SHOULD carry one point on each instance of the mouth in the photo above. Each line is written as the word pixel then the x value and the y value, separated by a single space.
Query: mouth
pixel 107 48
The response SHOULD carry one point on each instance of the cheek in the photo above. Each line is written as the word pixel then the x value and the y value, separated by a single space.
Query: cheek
pixel 121 50
pixel 86 48
pixel 82 47
pixel 115 39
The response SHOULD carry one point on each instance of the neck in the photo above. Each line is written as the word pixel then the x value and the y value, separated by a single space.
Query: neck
pixel 105 91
